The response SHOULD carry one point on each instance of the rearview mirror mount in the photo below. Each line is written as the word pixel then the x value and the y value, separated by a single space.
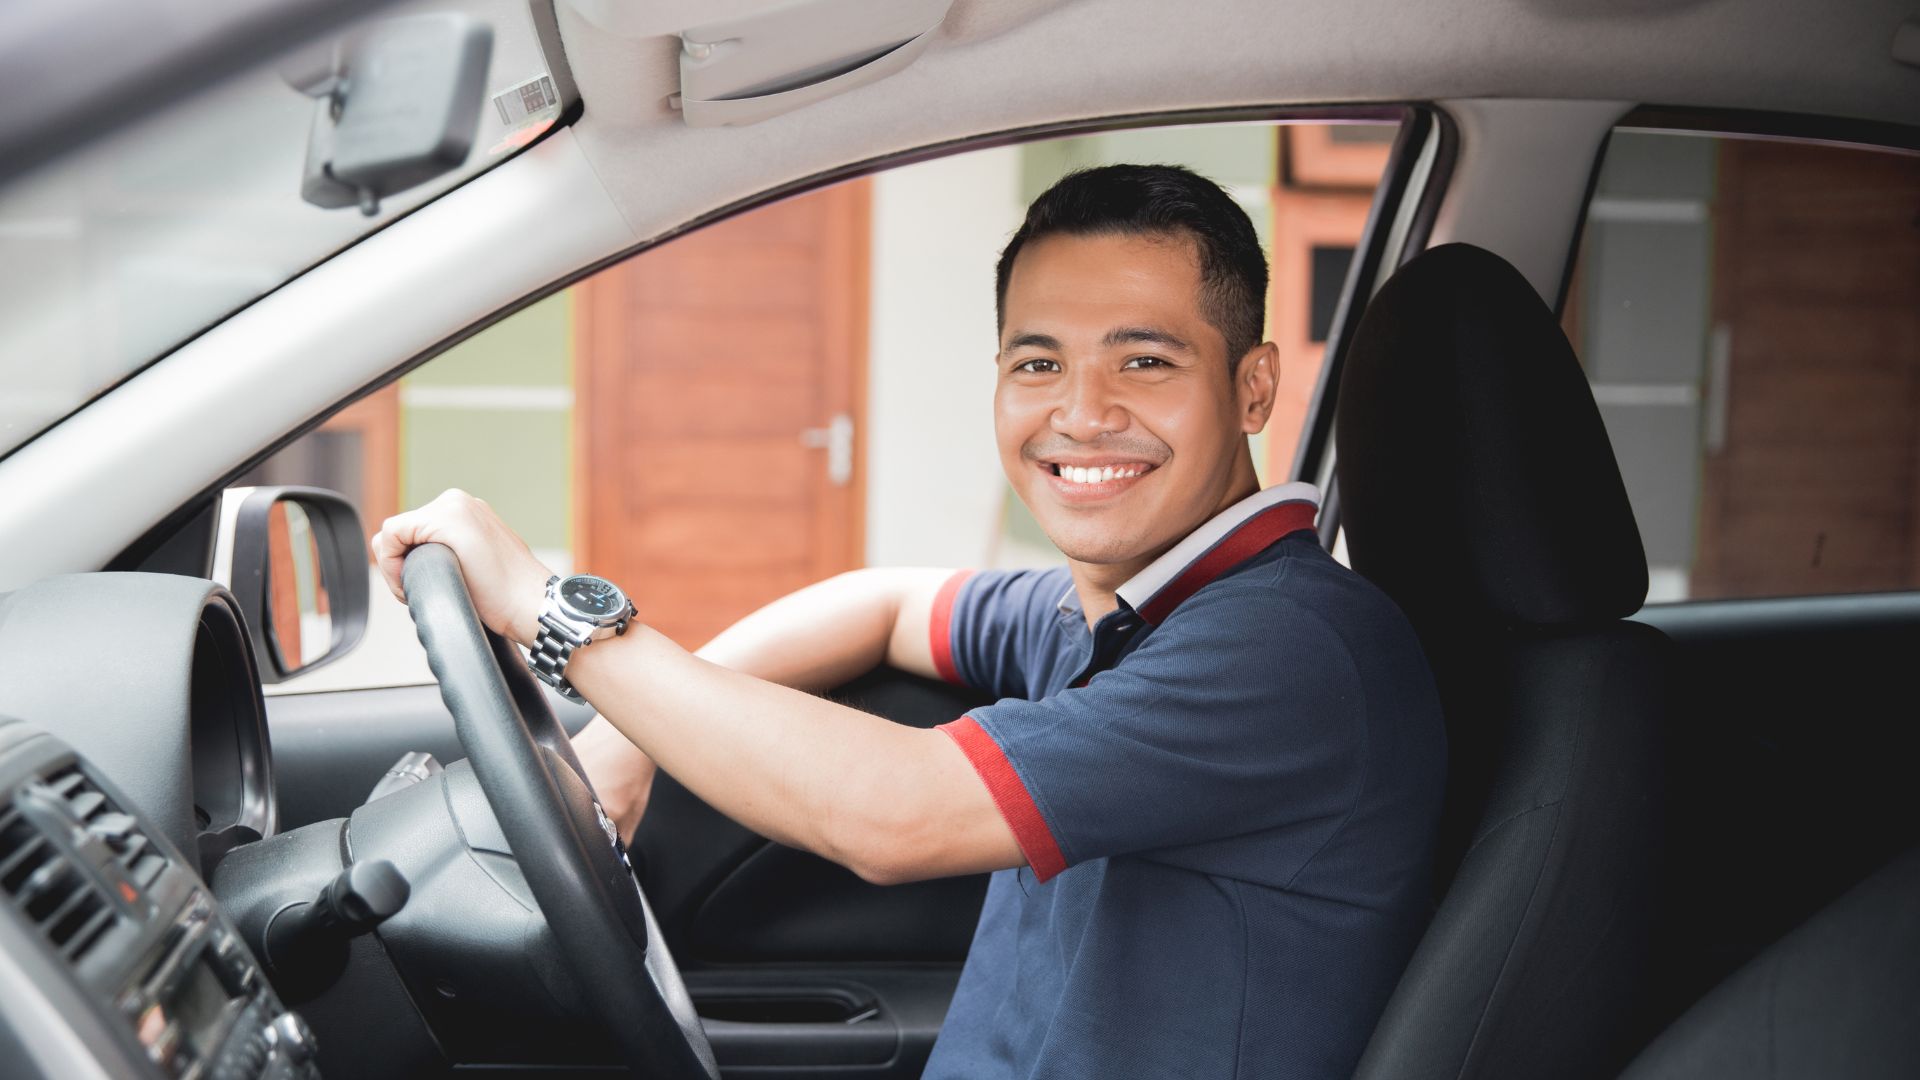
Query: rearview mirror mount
pixel 398 104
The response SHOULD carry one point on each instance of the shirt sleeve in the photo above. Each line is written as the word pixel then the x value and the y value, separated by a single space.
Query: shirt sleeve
pixel 987 624
pixel 1242 713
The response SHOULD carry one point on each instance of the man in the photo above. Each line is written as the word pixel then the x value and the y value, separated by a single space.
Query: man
pixel 1210 787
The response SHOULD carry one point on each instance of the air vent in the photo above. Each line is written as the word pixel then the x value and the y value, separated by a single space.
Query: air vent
pixel 136 857
pixel 63 846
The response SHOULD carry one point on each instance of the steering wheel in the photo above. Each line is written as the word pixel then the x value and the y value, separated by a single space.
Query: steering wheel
pixel 566 847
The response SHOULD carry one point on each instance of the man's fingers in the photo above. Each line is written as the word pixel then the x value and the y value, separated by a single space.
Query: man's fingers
pixel 491 556
pixel 398 535
pixel 434 522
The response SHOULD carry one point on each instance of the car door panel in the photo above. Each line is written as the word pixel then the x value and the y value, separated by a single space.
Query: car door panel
pixel 1791 751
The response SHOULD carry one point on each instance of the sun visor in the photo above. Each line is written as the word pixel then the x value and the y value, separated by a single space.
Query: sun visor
pixel 759 61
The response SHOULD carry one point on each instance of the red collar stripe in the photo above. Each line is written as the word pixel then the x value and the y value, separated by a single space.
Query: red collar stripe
pixel 1010 796
pixel 1257 535
pixel 941 627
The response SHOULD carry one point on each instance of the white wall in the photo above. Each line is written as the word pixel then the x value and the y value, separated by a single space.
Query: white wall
pixel 934 485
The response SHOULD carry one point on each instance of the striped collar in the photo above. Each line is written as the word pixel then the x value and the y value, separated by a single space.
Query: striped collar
pixel 1233 536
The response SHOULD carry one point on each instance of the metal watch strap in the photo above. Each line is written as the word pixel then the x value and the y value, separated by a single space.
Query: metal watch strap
pixel 549 657
pixel 554 646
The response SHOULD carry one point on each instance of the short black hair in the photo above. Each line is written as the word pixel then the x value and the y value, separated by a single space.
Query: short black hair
pixel 1160 200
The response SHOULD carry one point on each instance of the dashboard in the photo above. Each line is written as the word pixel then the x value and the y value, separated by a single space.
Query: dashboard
pixel 156 922
pixel 150 677
pixel 114 959
pixel 120 691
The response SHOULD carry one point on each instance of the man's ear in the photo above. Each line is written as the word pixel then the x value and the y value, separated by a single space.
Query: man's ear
pixel 1255 383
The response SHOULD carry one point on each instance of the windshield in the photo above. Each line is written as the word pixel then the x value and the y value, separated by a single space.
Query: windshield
pixel 116 254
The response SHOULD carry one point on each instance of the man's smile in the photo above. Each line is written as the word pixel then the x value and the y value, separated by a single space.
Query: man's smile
pixel 1092 479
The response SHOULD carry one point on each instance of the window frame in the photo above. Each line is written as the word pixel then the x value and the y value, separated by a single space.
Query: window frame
pixel 151 550
pixel 1799 128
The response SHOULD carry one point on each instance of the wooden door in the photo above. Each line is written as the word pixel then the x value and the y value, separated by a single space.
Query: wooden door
pixel 1815 487
pixel 1320 207
pixel 709 374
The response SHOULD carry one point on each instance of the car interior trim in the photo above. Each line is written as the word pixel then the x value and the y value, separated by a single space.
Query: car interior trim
pixel 1766 123
pixel 1689 52
pixel 1520 180
pixel 183 691
pixel 1406 199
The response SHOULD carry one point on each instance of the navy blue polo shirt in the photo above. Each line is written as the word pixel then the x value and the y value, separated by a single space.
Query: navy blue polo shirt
pixel 1226 793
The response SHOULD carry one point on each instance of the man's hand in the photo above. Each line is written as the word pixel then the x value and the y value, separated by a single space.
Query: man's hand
pixel 621 773
pixel 507 583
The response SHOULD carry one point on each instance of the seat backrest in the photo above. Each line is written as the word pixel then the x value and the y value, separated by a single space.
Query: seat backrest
pixel 1837 997
pixel 1479 490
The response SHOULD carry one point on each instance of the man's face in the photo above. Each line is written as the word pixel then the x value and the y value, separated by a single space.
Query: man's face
pixel 1117 421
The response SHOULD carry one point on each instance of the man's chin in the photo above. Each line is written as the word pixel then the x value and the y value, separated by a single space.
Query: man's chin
pixel 1101 550
pixel 1101 536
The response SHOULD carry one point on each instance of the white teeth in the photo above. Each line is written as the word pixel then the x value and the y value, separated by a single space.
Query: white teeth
pixel 1098 474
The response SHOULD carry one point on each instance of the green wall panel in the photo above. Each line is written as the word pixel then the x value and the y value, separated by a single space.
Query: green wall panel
pixel 517 460
pixel 531 348
pixel 1241 157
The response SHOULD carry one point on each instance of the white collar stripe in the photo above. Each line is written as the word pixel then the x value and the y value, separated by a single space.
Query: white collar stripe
pixel 1144 589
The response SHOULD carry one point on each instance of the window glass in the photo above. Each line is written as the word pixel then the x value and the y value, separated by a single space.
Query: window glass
pixel 121 251
pixel 802 389
pixel 1746 312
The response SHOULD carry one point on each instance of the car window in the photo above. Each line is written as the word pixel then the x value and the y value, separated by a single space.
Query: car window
pixel 118 253
pixel 798 390
pixel 1745 310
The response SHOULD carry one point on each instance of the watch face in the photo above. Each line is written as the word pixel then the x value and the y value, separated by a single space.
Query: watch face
pixel 591 596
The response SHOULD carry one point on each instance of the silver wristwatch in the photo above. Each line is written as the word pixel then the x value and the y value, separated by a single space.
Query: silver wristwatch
pixel 578 611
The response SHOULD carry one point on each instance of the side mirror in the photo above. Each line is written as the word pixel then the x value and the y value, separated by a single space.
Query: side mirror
pixel 299 570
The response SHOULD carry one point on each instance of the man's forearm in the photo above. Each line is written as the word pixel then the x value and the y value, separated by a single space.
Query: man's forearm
pixel 826 634
pixel 738 725
pixel 888 801
pixel 812 640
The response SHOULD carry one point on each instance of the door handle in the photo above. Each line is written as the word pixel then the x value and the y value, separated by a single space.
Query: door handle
pixel 837 439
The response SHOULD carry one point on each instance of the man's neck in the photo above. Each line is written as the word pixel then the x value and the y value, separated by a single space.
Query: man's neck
pixel 1098 584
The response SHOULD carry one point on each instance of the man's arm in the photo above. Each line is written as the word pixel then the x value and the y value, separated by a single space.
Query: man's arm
pixel 892 803
pixel 812 640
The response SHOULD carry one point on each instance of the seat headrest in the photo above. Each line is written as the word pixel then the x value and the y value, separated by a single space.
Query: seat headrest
pixel 1476 478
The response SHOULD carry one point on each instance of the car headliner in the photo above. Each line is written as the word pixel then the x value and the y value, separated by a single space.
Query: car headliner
pixel 1533 86
pixel 997 65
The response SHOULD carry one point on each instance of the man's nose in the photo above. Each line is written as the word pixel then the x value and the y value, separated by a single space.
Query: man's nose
pixel 1087 408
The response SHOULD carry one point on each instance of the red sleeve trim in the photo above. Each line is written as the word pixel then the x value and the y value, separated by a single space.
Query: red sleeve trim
pixel 1009 795
pixel 942 627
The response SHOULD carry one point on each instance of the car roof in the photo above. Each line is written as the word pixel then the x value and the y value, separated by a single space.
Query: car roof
pixel 1005 65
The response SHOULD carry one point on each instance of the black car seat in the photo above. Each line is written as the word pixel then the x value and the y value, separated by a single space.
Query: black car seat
pixel 1837 997
pixel 1478 488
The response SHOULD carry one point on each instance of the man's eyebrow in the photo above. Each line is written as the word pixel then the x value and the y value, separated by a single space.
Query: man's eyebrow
pixel 1029 339
pixel 1144 335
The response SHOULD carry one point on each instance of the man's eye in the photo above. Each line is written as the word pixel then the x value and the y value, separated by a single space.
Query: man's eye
pixel 1037 366
pixel 1145 362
